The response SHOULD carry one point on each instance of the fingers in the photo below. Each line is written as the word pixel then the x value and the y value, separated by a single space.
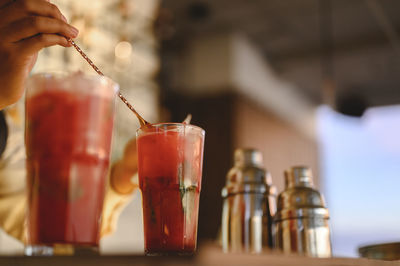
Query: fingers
pixel 35 25
pixel 36 43
pixel 120 179
pixel 22 8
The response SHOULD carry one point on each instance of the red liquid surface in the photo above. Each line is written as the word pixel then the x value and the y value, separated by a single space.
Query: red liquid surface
pixel 170 167
pixel 68 138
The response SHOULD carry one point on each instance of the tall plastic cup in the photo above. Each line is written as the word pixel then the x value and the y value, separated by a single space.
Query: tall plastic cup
pixel 68 132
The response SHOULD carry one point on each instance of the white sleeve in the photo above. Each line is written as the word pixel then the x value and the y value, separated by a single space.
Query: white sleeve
pixel 114 204
pixel 13 175
pixel 12 162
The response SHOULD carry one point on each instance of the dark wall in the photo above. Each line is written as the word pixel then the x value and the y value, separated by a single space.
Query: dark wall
pixel 215 115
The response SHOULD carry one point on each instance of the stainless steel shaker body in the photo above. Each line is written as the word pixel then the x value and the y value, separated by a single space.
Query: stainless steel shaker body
pixel 301 223
pixel 249 205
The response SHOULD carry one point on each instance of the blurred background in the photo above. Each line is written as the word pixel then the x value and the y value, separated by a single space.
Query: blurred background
pixel 307 82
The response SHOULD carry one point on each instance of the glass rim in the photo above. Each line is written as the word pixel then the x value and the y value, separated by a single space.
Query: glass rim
pixel 171 124
pixel 65 74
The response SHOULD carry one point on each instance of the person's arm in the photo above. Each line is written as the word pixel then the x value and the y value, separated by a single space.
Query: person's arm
pixel 123 170
pixel 26 26
pixel 123 184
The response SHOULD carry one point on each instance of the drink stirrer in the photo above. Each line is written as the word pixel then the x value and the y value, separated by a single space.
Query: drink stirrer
pixel 140 118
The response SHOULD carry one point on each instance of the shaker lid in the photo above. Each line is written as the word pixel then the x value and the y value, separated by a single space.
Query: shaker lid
pixel 298 176
pixel 300 198
pixel 248 157
pixel 247 175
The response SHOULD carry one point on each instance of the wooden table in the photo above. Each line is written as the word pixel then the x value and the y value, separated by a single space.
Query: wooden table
pixel 206 256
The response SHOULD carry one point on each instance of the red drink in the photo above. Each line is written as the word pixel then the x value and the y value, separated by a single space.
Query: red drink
pixel 170 167
pixel 69 122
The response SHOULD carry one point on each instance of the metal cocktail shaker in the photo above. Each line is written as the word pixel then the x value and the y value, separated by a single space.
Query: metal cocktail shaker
pixel 301 223
pixel 249 205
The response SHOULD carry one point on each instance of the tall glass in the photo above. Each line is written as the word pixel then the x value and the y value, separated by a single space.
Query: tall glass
pixel 68 131
pixel 170 168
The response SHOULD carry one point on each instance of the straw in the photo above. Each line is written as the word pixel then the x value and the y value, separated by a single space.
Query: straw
pixel 141 119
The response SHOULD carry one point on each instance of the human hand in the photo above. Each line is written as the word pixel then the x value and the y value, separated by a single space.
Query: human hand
pixel 123 170
pixel 26 26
